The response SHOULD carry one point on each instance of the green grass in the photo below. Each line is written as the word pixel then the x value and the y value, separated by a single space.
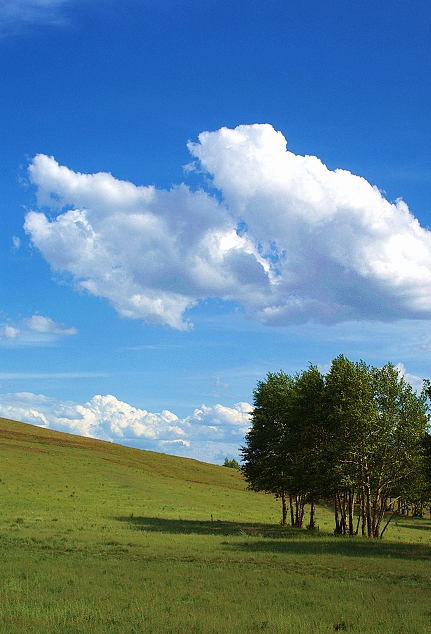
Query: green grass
pixel 97 538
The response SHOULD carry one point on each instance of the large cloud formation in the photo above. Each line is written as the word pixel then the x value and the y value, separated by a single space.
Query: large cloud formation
pixel 284 236
pixel 209 433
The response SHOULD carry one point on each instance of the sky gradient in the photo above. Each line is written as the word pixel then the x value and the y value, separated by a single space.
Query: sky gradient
pixel 196 193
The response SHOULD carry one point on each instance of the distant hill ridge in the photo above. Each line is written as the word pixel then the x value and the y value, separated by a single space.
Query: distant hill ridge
pixel 27 437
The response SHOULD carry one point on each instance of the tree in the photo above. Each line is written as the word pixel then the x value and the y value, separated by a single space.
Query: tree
pixel 377 424
pixel 358 436
pixel 305 442
pixel 282 447
pixel 397 451
pixel 264 455
pixel 231 464
pixel 425 485
pixel 351 413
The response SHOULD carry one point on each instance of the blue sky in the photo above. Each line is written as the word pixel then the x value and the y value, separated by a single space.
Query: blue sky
pixel 162 248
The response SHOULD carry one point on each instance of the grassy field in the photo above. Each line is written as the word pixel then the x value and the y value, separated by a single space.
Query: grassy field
pixel 99 538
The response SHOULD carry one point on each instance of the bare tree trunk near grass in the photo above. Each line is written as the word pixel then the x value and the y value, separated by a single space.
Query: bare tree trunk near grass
pixel 292 516
pixel 312 524
pixel 284 509
pixel 351 498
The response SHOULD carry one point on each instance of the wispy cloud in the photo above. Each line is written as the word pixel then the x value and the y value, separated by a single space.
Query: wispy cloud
pixel 16 15
pixel 52 375
pixel 37 330
pixel 291 241
pixel 159 346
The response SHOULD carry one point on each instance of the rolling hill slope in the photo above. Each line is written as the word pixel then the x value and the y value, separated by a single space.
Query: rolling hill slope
pixel 43 470
pixel 98 538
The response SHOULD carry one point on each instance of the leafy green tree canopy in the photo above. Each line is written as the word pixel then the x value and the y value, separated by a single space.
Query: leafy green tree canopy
pixel 358 436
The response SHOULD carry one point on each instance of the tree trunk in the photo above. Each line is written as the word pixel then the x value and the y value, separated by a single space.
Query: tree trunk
pixel 368 511
pixel 292 517
pixel 284 509
pixel 337 519
pixel 357 524
pixel 387 523
pixel 363 516
pixel 342 507
pixel 312 524
pixel 351 498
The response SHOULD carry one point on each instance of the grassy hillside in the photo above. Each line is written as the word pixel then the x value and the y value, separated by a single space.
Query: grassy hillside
pixel 96 537
pixel 48 474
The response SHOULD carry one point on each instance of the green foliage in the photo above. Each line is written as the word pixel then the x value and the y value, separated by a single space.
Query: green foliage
pixel 354 436
pixel 266 456
pixel 231 464
pixel 426 445
pixel 282 453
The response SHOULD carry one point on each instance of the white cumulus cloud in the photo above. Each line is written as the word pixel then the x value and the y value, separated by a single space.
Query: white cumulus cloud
pixel 37 330
pixel 413 379
pixel 152 253
pixel 207 434
pixel 8 332
pixel 291 241
pixel 39 323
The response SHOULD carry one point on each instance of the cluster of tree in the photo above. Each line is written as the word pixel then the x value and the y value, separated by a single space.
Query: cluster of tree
pixel 231 464
pixel 357 437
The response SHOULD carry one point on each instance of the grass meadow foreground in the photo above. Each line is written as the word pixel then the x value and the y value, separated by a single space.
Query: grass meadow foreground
pixel 99 538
